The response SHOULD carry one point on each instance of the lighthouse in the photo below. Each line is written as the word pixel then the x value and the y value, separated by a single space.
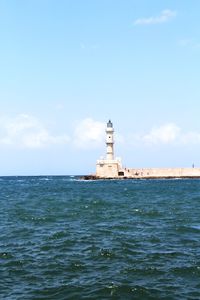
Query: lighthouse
pixel 109 141
pixel 109 167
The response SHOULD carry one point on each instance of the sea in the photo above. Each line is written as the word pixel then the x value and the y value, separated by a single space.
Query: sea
pixel 66 238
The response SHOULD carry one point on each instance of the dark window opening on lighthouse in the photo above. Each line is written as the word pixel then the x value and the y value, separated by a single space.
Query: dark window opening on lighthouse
pixel 120 173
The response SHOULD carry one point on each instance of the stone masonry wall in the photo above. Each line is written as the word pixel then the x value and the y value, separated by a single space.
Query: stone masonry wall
pixel 162 172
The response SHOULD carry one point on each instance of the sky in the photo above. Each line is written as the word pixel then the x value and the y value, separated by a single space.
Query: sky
pixel 68 66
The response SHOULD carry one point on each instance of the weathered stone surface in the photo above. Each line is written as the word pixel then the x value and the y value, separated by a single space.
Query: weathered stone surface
pixel 89 177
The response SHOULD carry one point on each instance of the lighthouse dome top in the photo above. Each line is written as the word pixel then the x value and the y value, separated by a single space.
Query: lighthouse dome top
pixel 109 124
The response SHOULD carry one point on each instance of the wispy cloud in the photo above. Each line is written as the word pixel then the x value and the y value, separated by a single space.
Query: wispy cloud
pixel 167 134
pixel 25 131
pixel 89 133
pixel 165 16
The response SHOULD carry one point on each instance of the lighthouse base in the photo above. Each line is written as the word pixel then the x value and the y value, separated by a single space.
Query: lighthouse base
pixel 108 168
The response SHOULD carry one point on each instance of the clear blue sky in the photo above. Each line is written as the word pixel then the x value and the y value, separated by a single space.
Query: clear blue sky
pixel 66 67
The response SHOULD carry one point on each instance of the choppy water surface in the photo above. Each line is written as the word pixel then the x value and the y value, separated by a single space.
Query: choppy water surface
pixel 62 238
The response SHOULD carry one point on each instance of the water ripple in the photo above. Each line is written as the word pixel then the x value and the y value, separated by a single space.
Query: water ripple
pixel 62 238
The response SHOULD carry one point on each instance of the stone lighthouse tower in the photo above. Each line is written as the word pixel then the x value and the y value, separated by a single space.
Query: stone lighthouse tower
pixel 109 141
pixel 109 167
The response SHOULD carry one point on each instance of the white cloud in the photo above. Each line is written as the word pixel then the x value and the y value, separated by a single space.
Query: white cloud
pixel 164 17
pixel 26 131
pixel 89 134
pixel 165 134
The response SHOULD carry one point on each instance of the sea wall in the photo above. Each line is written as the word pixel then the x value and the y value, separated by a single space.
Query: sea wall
pixel 161 172
pixel 114 169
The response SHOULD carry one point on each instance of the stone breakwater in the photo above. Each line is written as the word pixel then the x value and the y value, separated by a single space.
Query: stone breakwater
pixel 162 172
pixel 150 173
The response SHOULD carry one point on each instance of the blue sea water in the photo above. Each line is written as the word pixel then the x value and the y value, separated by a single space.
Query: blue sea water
pixel 64 238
